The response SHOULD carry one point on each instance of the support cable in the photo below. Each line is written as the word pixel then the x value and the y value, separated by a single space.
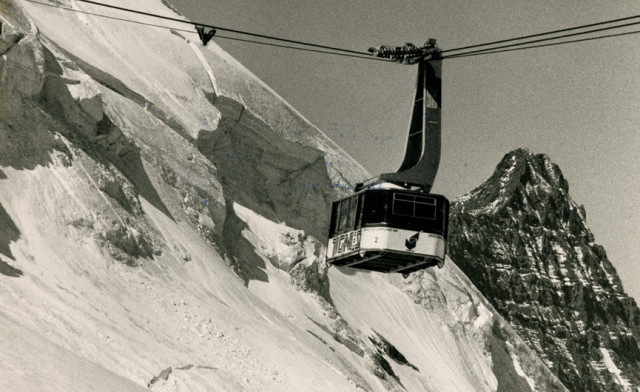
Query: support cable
pixel 364 57
pixel 543 45
pixel 544 33
pixel 545 39
pixel 223 28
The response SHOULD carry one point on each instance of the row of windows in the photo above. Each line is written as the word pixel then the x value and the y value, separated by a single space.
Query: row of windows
pixel 347 211
pixel 415 211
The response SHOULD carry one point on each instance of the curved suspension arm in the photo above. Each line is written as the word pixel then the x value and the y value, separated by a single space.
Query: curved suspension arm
pixel 422 154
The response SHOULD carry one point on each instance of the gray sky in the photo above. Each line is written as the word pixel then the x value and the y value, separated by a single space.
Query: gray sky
pixel 578 103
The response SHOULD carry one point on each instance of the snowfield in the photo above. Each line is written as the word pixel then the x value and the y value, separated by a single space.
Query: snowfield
pixel 162 223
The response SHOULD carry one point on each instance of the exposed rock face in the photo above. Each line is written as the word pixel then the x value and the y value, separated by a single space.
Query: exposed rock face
pixel 21 65
pixel 526 246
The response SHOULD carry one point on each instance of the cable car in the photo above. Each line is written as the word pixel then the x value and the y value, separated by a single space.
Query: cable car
pixel 388 229
pixel 392 223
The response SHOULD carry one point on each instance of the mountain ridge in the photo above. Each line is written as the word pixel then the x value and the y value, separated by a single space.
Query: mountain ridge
pixel 525 244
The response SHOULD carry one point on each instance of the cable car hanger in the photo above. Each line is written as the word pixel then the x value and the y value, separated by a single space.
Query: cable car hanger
pixel 422 153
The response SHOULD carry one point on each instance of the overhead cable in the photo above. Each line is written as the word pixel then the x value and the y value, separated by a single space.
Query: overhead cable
pixel 544 33
pixel 545 39
pixel 223 28
pixel 367 57
pixel 543 45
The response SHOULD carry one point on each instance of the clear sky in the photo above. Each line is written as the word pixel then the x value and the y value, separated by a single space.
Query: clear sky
pixel 578 103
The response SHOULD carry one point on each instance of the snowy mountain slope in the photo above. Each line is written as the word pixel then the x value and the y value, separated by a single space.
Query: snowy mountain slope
pixel 18 346
pixel 162 214
pixel 526 245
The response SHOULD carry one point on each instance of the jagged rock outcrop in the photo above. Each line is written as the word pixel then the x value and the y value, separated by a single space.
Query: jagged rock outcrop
pixel 525 244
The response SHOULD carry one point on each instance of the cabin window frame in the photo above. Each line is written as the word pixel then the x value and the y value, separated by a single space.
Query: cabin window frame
pixel 401 201
pixel 376 208
pixel 375 217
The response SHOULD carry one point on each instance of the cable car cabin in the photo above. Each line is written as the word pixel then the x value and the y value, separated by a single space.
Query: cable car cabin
pixel 399 226
pixel 389 230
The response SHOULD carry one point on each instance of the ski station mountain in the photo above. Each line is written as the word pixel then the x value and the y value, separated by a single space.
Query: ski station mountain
pixel 162 223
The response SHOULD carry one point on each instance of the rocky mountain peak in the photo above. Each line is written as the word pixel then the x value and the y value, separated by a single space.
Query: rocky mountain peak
pixel 525 244
pixel 519 177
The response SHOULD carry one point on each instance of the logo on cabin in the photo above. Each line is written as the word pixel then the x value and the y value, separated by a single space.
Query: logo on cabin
pixel 412 241
pixel 347 242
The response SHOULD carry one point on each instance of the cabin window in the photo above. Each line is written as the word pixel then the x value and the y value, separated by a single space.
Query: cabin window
pixel 375 207
pixel 335 213
pixel 344 215
pixel 360 201
pixel 352 204
pixel 425 207
pixel 403 204
pixel 414 206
